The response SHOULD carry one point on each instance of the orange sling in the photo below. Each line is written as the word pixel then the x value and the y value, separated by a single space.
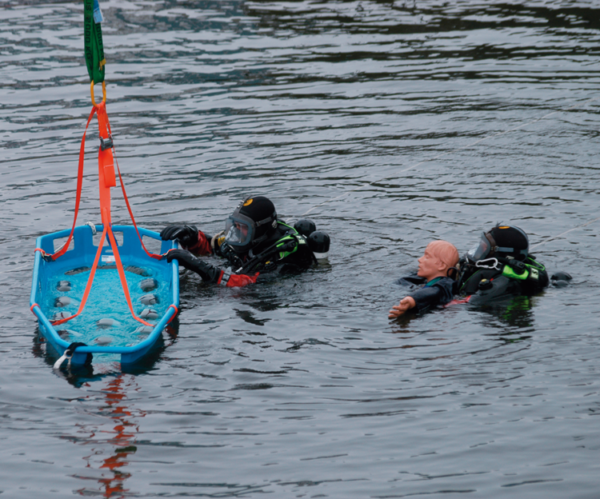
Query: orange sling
pixel 107 179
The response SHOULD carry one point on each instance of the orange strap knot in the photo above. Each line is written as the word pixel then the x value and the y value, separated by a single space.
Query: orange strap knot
pixel 45 255
pixel 174 315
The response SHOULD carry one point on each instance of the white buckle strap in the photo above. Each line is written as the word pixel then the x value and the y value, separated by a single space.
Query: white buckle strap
pixel 65 356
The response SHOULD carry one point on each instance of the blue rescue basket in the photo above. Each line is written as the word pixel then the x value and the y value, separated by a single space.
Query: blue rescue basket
pixel 105 325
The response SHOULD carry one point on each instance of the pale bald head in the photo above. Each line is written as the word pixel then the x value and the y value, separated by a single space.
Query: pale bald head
pixel 446 252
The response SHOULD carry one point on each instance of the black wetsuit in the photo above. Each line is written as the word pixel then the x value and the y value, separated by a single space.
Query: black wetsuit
pixel 480 285
pixel 284 252
pixel 438 291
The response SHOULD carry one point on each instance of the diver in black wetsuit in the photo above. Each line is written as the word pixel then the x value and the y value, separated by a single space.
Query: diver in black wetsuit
pixel 499 266
pixel 255 243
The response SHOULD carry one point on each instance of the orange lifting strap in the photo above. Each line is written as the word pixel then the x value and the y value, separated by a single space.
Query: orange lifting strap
pixel 107 179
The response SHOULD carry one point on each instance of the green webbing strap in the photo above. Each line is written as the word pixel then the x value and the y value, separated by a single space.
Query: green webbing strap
pixel 94 49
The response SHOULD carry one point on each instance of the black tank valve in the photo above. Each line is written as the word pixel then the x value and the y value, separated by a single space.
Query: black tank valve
pixel 305 227
pixel 517 266
pixel 485 284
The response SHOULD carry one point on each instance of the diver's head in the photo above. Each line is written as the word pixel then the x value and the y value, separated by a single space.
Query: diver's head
pixel 501 241
pixel 251 223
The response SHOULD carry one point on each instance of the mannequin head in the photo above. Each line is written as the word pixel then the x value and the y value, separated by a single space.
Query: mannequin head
pixel 438 258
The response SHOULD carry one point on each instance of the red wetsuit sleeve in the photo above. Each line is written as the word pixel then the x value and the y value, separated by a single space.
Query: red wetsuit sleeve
pixel 202 247
pixel 237 280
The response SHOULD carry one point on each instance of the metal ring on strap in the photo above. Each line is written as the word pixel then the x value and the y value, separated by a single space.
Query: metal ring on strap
pixel 103 92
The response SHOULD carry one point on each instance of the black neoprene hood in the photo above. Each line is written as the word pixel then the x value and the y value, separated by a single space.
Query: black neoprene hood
pixel 510 241
pixel 262 211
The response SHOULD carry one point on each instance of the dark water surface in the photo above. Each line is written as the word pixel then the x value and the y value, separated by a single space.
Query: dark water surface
pixel 303 388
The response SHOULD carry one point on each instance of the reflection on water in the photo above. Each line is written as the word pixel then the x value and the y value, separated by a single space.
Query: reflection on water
pixel 121 438
pixel 109 449
pixel 302 386
pixel 513 312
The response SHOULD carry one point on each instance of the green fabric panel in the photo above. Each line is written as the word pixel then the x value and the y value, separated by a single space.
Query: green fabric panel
pixel 511 274
pixel 94 49
pixel 282 241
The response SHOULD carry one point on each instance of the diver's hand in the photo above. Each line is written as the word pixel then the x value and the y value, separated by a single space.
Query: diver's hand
pixel 187 260
pixel 186 234
pixel 404 306
pixel 227 251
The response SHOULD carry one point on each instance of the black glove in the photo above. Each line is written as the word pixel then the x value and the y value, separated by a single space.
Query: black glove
pixel 186 234
pixel 187 260
pixel 226 251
